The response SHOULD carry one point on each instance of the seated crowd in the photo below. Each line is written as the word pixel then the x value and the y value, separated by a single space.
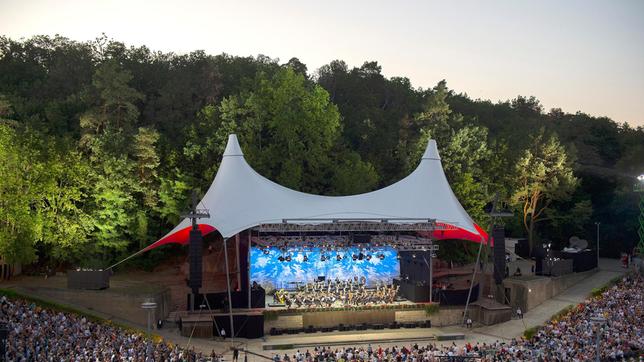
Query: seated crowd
pixel 352 292
pixel 40 334
pixel 568 338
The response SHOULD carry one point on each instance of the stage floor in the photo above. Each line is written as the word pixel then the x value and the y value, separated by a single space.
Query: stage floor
pixel 336 304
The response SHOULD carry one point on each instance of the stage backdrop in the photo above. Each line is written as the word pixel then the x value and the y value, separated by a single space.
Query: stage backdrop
pixel 267 270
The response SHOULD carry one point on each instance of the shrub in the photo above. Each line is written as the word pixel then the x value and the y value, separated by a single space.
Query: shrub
pixel 270 315
pixel 431 308
pixel 530 332
pixel 561 313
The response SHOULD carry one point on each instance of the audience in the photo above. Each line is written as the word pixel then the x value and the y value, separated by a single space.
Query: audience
pixel 569 338
pixel 40 334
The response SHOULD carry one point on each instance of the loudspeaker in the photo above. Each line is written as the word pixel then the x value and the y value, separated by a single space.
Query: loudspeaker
pixel 499 253
pixel 522 248
pixel 196 260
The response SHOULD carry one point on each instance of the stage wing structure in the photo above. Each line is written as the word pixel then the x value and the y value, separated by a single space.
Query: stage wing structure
pixel 240 198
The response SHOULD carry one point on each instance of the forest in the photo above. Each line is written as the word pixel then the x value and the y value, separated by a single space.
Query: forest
pixel 101 145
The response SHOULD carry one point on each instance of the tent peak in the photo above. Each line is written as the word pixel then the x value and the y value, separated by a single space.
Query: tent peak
pixel 431 152
pixel 232 147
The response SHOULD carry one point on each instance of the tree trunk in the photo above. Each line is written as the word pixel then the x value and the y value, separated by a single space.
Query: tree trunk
pixel 530 236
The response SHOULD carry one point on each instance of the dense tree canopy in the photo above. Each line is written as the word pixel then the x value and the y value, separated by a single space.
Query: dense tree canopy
pixel 543 177
pixel 101 144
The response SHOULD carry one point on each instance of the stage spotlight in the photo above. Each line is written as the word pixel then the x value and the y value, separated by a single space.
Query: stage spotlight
pixel 413 256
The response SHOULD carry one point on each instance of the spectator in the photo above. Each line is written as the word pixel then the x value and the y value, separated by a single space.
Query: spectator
pixel 41 334
pixel 568 338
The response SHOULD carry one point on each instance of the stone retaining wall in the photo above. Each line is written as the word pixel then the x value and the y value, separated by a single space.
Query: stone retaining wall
pixel 446 316
pixel 529 293
pixel 121 306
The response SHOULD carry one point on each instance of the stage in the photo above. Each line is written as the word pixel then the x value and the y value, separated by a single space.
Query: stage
pixel 301 322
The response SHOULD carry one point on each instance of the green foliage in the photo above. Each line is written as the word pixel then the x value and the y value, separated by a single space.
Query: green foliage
pixel 114 111
pixel 113 204
pixel 287 128
pixel 101 144
pixel 530 332
pixel 563 312
pixel 173 196
pixel 65 186
pixel 596 292
pixel 457 251
pixel 147 162
pixel 20 225
pixel 431 309
pixel 544 176
pixel 465 149
pixel 269 315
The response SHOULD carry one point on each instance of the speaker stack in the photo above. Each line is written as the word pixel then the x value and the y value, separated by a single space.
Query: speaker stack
pixel 499 254
pixel 196 261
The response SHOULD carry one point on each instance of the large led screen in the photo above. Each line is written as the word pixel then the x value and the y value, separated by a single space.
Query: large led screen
pixel 267 269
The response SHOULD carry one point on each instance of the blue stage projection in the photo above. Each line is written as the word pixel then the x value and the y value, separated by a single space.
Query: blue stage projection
pixel 270 266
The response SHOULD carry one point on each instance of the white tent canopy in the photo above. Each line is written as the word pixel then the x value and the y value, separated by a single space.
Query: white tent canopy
pixel 240 198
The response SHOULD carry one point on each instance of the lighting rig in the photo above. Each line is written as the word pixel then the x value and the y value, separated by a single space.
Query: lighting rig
pixel 348 225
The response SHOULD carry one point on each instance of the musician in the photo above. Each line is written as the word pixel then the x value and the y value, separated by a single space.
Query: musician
pixel 350 292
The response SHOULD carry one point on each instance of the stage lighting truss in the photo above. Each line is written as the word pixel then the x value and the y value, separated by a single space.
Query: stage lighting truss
pixel 348 225
pixel 336 243
pixel 406 242
pixel 302 242
pixel 196 214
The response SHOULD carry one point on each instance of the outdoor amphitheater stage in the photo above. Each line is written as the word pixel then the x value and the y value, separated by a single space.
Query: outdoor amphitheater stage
pixel 280 321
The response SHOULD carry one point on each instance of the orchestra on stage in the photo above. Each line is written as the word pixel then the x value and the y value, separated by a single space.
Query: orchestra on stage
pixel 336 293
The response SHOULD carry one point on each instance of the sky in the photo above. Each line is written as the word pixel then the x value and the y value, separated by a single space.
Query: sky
pixel 575 55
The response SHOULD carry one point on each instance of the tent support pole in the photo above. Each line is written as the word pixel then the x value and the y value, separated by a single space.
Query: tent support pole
pixel 230 301
pixel 431 277
pixel 469 294
pixel 238 262
pixel 248 267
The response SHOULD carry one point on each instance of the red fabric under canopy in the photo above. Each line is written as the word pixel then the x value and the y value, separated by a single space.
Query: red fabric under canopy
pixel 180 237
pixel 450 232
pixel 453 232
